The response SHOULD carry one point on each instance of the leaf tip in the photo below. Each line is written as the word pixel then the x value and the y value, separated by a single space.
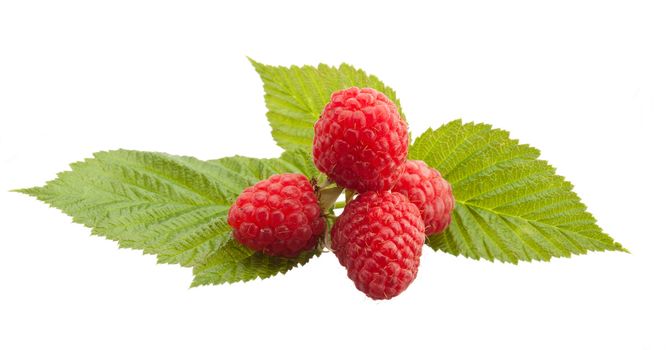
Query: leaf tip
pixel 254 63
pixel 622 249
pixel 30 191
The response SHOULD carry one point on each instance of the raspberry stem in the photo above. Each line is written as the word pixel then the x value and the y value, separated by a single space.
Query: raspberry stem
pixel 322 181
pixel 328 197
pixel 349 195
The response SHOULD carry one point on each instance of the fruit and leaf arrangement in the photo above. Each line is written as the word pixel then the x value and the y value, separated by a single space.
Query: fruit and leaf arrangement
pixel 462 188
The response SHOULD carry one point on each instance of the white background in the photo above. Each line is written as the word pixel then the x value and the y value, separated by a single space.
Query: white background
pixel 583 81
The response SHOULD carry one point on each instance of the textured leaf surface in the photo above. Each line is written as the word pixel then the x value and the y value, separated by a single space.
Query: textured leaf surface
pixel 171 206
pixel 235 262
pixel 510 205
pixel 296 96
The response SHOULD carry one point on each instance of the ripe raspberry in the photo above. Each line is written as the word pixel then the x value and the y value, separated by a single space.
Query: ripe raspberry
pixel 378 238
pixel 279 216
pixel 426 188
pixel 360 140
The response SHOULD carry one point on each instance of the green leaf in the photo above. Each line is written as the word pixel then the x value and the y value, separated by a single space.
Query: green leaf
pixel 171 206
pixel 510 205
pixel 235 262
pixel 296 96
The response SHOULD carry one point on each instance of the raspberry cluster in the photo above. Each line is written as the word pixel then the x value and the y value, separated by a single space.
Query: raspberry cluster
pixel 361 144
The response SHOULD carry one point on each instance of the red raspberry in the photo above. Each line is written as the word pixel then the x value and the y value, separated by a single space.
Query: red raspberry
pixel 279 216
pixel 360 140
pixel 378 238
pixel 426 188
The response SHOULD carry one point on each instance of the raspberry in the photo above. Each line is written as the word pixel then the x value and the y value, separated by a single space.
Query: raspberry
pixel 426 188
pixel 360 140
pixel 279 216
pixel 378 238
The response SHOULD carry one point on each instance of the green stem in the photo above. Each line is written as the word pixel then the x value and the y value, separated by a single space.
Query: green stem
pixel 328 197
pixel 349 195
